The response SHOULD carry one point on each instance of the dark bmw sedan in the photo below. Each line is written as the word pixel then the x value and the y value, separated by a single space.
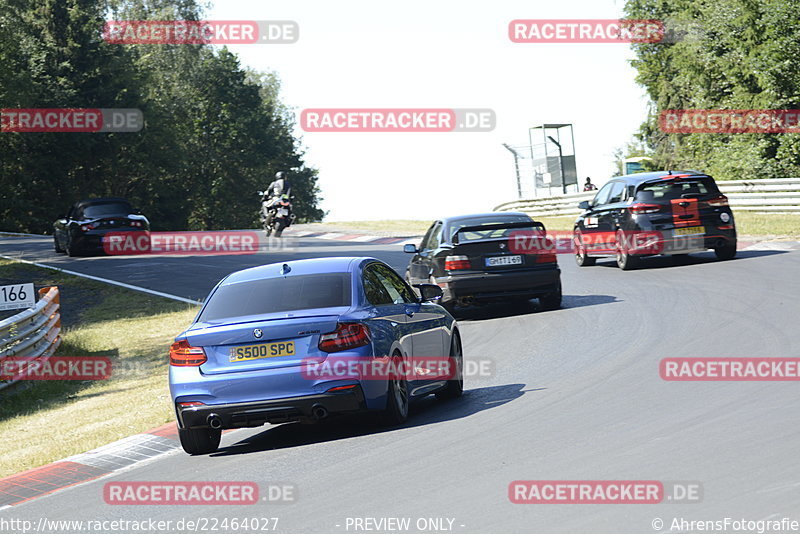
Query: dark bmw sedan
pixel 478 258
pixel 82 229
pixel 664 212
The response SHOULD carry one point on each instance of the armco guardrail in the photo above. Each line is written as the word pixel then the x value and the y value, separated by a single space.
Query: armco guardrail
pixel 33 333
pixel 769 196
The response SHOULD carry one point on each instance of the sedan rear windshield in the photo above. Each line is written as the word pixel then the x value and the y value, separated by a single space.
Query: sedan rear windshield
pixel 476 235
pixel 107 208
pixel 276 295
pixel 675 189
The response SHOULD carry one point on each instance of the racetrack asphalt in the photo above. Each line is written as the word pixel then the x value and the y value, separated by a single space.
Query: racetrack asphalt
pixel 575 395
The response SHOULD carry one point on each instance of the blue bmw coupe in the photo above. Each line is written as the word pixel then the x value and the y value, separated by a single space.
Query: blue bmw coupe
pixel 255 350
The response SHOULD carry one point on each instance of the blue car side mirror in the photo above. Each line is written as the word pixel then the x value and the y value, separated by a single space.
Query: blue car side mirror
pixel 410 249
pixel 429 292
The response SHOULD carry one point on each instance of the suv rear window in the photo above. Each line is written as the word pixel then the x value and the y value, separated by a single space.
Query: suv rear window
pixel 667 190
pixel 276 295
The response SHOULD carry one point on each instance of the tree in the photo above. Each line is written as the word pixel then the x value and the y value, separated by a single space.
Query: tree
pixel 723 54
pixel 214 132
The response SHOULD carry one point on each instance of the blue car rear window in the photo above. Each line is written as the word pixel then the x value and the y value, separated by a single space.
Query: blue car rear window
pixel 279 294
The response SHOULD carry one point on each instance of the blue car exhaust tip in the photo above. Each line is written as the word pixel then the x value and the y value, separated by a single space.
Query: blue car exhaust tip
pixel 214 421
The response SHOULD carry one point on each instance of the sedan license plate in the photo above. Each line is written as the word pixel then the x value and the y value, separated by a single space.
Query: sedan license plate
pixel 244 353
pixel 694 230
pixel 503 260
pixel 283 212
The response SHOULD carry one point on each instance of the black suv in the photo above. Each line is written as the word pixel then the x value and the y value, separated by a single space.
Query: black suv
pixel 487 257
pixel 82 229
pixel 664 212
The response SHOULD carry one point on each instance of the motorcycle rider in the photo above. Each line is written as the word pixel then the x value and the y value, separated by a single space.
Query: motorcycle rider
pixel 275 191
pixel 279 186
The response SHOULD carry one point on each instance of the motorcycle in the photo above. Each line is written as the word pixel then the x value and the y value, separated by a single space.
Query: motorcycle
pixel 276 213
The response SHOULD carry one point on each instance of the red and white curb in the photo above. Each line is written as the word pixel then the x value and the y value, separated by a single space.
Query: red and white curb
pixel 771 245
pixel 355 238
pixel 97 463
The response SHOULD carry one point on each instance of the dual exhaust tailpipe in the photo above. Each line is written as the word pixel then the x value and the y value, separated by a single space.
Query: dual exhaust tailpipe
pixel 318 411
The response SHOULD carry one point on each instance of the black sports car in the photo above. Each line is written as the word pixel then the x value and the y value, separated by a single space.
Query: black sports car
pixel 476 258
pixel 664 212
pixel 82 229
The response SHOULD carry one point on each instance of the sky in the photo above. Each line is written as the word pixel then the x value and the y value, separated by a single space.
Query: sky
pixel 441 54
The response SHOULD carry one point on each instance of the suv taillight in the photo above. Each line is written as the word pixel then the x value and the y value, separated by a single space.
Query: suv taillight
pixel 346 336
pixel 454 263
pixel 641 207
pixel 181 354
pixel 718 202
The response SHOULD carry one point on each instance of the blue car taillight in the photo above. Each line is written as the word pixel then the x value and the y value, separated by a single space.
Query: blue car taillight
pixel 346 336
pixel 181 354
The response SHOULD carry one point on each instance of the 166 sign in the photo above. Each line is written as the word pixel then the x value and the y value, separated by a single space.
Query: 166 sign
pixel 17 296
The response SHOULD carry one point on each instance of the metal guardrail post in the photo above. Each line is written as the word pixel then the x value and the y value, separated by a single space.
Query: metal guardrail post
pixel 769 195
pixel 33 333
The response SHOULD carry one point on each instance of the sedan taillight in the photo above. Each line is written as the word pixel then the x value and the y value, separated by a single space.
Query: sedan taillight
pixel 641 207
pixel 454 263
pixel 346 336
pixel 181 354
pixel 87 227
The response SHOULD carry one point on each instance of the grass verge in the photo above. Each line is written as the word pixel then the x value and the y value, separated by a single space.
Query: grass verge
pixel 45 421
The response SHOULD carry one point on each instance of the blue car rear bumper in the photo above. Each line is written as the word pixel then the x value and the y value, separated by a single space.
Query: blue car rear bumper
pixel 250 414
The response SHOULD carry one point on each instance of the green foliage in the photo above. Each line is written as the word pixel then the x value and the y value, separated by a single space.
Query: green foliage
pixel 214 132
pixel 722 54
